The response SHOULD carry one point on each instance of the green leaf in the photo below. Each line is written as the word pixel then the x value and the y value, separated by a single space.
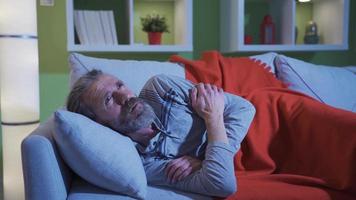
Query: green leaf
pixel 154 23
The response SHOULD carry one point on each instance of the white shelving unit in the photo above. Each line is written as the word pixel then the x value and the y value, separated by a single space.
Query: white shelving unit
pixel 331 16
pixel 180 28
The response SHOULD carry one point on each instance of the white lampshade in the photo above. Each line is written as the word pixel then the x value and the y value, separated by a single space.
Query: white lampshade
pixel 19 87
pixel 18 17
pixel 19 80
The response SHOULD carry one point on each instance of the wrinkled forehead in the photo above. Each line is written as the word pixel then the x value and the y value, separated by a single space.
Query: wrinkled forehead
pixel 97 91
pixel 103 82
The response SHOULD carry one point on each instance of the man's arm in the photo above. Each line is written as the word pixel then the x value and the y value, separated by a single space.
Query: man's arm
pixel 226 129
pixel 238 115
pixel 214 178
pixel 178 169
pixel 238 112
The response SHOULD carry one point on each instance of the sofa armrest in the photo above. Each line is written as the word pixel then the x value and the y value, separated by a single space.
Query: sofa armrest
pixel 45 174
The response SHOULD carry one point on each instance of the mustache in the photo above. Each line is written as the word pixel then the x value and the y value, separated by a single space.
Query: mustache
pixel 129 104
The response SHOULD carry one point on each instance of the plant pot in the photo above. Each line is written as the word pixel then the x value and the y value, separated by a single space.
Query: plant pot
pixel 154 37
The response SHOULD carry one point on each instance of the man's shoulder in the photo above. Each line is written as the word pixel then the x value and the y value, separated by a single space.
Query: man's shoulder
pixel 158 83
pixel 163 77
pixel 165 83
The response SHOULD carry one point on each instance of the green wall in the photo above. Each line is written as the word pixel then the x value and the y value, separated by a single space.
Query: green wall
pixel 304 14
pixel 53 53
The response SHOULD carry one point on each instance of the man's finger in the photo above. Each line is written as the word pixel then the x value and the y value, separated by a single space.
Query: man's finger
pixel 172 169
pixel 193 96
pixel 171 164
pixel 207 87
pixel 185 173
pixel 201 90
pixel 179 172
pixel 215 89
pixel 171 172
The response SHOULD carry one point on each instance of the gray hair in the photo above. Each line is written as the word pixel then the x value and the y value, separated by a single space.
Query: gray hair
pixel 75 98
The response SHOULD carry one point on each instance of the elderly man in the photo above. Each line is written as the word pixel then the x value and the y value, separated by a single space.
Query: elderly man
pixel 186 135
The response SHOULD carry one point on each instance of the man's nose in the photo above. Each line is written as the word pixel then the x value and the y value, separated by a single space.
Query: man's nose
pixel 121 97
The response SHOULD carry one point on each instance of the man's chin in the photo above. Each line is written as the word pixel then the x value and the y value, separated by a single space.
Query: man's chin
pixel 133 127
pixel 142 116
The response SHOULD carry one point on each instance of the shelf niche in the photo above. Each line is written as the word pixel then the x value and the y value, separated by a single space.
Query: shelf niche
pixel 241 17
pixel 127 15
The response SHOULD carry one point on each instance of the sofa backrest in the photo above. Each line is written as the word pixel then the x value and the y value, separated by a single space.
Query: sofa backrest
pixel 134 73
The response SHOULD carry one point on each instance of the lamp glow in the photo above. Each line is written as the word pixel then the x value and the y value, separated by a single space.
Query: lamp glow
pixel 19 87
pixel 303 1
pixel 19 80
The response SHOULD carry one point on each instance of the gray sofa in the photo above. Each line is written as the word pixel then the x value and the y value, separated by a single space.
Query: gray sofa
pixel 46 175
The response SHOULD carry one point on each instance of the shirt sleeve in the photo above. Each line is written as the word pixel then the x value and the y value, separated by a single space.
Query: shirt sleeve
pixel 238 115
pixel 215 178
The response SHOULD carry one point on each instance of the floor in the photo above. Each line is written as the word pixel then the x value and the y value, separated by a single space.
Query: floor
pixel 2 196
pixel 12 178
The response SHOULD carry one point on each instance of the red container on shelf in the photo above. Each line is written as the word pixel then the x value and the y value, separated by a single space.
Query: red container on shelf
pixel 154 37
pixel 248 39
pixel 267 30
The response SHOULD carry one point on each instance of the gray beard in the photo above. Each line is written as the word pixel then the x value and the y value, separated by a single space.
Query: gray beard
pixel 128 124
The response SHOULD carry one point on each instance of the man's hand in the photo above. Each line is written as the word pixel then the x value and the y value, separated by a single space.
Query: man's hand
pixel 180 168
pixel 208 101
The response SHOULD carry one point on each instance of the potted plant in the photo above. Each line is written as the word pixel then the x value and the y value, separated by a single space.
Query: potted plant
pixel 154 25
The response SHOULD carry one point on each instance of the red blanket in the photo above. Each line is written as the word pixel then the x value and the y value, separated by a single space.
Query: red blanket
pixel 296 147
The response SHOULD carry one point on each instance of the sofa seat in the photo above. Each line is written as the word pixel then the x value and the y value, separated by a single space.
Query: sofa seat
pixel 82 190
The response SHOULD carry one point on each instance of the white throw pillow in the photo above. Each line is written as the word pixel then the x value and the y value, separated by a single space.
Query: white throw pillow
pixel 99 155
pixel 335 86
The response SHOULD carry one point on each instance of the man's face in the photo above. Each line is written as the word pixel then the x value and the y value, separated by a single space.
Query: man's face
pixel 115 105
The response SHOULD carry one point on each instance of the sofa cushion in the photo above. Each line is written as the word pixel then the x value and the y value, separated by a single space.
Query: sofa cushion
pixel 331 85
pixel 134 73
pixel 99 155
